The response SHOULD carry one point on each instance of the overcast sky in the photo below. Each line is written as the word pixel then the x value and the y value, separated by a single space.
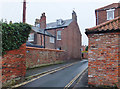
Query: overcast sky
pixel 54 9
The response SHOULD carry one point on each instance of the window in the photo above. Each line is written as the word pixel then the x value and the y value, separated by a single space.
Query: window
pixel 37 25
pixel 52 40
pixel 31 37
pixel 58 35
pixel 110 14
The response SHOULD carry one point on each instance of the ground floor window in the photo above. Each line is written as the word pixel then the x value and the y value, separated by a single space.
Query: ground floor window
pixel 31 37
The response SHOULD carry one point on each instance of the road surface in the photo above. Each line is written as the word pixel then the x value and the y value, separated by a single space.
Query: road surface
pixel 58 79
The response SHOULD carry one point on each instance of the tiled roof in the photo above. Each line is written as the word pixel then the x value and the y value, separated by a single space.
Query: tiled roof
pixel 113 24
pixel 54 24
pixel 41 31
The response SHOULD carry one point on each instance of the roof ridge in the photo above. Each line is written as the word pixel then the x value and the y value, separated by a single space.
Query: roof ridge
pixel 62 19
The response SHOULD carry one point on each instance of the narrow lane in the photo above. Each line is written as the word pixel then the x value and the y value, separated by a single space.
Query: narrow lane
pixel 60 78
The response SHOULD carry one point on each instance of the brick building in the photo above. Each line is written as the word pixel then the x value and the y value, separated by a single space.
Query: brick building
pixel 107 13
pixel 63 35
pixel 104 48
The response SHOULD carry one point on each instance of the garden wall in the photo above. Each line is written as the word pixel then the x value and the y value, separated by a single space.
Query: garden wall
pixel 14 66
pixel 36 57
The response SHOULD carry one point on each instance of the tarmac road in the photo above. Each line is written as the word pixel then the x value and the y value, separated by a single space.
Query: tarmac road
pixel 58 79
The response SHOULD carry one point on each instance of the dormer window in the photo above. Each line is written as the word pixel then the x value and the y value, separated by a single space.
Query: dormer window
pixel 37 25
pixel 110 14
pixel 60 22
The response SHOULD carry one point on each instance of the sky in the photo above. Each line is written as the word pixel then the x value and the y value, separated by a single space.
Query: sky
pixel 11 10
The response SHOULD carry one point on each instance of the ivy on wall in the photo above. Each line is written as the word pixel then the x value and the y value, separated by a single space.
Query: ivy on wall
pixel 14 35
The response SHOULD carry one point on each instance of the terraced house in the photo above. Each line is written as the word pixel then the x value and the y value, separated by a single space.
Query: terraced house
pixel 61 35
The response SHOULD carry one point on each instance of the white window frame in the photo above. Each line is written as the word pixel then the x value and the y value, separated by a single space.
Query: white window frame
pixel 58 34
pixel 31 37
pixel 52 39
pixel 110 10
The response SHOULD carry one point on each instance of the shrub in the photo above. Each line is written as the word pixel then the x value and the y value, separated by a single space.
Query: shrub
pixel 14 35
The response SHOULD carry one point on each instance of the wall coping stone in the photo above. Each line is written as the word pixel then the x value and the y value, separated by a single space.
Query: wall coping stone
pixel 44 49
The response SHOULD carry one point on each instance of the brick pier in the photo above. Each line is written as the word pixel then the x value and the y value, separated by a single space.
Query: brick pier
pixel 104 53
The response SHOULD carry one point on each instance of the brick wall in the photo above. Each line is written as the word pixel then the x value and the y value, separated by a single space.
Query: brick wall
pixel 47 42
pixel 101 15
pixel 36 57
pixel 104 58
pixel 14 66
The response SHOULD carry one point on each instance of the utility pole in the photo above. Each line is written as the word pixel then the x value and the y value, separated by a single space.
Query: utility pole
pixel 24 11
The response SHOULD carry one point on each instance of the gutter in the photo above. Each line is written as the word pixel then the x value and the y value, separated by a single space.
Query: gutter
pixel 55 28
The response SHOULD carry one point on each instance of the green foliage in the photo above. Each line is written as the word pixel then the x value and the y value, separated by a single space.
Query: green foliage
pixel 14 35
pixel 86 49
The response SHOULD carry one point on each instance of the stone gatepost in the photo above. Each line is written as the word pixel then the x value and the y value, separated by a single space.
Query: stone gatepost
pixel 104 54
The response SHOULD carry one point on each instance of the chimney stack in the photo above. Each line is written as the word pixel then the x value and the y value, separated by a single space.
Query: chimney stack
pixel 43 21
pixel 74 16
pixel 37 21
pixel 24 11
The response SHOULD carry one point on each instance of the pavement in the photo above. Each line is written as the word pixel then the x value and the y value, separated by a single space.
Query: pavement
pixel 82 82
pixel 34 71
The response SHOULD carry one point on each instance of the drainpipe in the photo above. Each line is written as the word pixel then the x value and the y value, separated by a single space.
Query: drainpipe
pixel 44 38
pixel 97 17
pixel 41 39
pixel 55 38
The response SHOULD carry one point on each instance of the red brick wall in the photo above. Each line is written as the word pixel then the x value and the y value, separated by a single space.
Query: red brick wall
pixel 70 40
pixel 47 41
pixel 40 39
pixel 14 66
pixel 103 58
pixel 119 62
pixel 35 57
pixel 102 15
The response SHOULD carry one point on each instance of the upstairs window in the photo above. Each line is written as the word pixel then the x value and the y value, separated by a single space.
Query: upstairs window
pixel 58 35
pixel 31 37
pixel 52 40
pixel 110 14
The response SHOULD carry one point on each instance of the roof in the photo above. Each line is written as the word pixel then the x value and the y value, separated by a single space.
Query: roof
pixel 110 25
pixel 113 5
pixel 41 31
pixel 54 25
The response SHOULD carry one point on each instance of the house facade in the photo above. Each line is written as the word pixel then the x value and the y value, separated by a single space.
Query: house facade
pixel 38 32
pixel 104 48
pixel 64 35
pixel 107 13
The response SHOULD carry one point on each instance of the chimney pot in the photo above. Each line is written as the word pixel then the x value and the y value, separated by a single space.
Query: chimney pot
pixel 43 21
pixel 43 14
